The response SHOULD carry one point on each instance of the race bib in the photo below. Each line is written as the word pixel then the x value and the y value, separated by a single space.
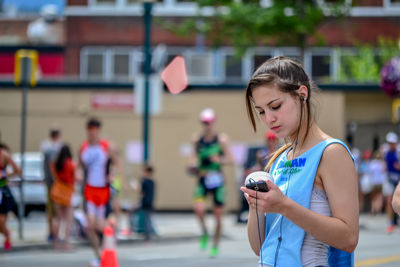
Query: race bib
pixel 213 180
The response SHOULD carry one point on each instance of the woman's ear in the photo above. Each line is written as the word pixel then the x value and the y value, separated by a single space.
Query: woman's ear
pixel 303 92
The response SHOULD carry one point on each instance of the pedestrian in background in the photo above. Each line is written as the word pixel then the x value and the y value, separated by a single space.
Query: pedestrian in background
pixel 210 152
pixel 6 198
pixel 261 159
pixel 309 216
pixel 393 177
pixel 65 178
pixel 147 199
pixel 364 174
pixel 49 149
pixel 378 173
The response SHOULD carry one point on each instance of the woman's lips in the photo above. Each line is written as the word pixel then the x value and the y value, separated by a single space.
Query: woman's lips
pixel 275 128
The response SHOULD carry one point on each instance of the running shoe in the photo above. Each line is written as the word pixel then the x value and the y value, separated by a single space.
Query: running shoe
pixel 214 252
pixel 7 245
pixel 390 228
pixel 203 242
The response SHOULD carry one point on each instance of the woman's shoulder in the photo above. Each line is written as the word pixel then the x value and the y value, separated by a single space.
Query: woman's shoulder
pixel 336 158
pixel 336 148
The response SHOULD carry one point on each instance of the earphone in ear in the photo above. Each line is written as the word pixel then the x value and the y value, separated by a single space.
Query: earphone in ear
pixel 303 98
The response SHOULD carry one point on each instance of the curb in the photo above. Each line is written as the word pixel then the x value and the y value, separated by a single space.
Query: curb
pixel 48 246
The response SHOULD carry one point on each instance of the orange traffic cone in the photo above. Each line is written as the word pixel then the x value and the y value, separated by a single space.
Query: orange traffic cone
pixel 109 253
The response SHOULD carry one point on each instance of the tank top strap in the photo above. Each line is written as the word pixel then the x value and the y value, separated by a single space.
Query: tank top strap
pixel 330 141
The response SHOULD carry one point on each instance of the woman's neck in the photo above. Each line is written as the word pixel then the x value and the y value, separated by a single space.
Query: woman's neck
pixel 306 140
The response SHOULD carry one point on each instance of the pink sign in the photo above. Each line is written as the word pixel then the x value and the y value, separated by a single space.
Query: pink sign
pixel 175 76
pixel 113 101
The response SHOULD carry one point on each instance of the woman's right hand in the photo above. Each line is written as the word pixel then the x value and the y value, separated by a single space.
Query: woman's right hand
pixel 273 201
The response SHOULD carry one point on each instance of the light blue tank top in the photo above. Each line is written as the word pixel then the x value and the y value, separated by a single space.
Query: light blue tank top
pixel 295 179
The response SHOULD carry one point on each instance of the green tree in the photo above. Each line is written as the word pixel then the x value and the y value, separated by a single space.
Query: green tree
pixel 389 48
pixel 361 66
pixel 248 23
pixel 365 63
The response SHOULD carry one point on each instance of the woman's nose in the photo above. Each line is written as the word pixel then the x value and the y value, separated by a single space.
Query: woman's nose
pixel 269 118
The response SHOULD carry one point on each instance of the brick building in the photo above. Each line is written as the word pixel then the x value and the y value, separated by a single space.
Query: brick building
pixel 100 53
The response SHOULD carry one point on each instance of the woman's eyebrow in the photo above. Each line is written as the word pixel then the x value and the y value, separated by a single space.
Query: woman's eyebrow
pixel 269 103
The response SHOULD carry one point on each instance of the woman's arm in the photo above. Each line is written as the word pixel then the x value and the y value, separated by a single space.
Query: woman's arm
pixel 396 199
pixel 256 237
pixel 339 180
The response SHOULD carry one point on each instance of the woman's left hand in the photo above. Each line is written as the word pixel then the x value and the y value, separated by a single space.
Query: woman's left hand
pixel 272 201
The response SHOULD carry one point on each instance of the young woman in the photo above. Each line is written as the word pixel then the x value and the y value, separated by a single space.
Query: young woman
pixel 6 198
pixel 309 217
pixel 65 173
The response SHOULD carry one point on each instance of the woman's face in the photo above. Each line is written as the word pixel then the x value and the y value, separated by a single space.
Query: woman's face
pixel 279 111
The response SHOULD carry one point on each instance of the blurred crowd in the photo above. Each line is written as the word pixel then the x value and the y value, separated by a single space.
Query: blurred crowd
pixel 379 174
pixel 83 191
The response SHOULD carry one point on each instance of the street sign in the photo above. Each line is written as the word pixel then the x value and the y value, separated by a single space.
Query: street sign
pixel 25 72
pixel 175 75
pixel 156 90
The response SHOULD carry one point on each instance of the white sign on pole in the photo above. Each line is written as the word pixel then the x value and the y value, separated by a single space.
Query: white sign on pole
pixel 155 87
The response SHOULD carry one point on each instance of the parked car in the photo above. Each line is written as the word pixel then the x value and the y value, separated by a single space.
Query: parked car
pixel 34 188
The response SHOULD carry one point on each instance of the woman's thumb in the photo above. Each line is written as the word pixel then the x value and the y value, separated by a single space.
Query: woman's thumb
pixel 271 185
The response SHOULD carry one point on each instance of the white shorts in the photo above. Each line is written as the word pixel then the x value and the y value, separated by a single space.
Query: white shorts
pixel 387 188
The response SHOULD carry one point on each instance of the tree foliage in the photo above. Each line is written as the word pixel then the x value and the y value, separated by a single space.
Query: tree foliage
pixel 365 64
pixel 248 23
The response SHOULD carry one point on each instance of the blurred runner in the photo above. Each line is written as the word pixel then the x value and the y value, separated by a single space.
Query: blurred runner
pixel 211 151
pixel 95 158
pixel 6 199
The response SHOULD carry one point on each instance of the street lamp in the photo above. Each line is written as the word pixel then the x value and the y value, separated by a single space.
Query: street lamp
pixel 147 18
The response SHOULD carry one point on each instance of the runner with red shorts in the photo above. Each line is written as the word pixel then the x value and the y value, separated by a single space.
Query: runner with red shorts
pixel 95 158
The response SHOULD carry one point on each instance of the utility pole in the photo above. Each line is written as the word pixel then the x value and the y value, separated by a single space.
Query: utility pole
pixel 147 18
pixel 24 75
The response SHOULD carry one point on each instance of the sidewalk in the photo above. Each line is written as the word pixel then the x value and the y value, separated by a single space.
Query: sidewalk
pixel 169 226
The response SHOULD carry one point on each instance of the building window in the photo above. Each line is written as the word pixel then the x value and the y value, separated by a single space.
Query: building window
pixel 95 65
pixel 199 66
pixel 121 66
pixel 321 67
pixel 259 59
pixel 346 57
pixel 233 68
pixel 105 2
pixel 291 53
pixel 111 63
